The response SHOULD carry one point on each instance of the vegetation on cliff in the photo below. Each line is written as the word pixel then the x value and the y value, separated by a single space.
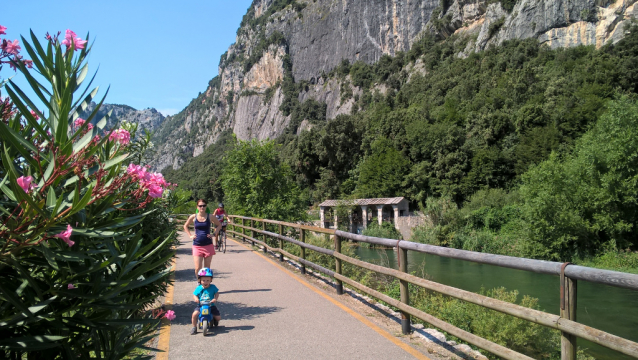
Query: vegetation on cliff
pixel 437 128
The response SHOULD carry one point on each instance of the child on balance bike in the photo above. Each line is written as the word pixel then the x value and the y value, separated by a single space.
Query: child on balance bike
pixel 206 295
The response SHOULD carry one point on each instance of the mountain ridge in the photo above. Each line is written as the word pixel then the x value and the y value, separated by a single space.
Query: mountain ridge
pixel 285 49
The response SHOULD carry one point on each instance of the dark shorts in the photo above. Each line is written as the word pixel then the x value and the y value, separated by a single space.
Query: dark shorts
pixel 213 310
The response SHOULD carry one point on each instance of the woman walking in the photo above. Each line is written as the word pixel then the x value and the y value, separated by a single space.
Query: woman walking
pixel 203 248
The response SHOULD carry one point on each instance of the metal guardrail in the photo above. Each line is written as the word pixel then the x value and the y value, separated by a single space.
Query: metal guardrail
pixel 568 273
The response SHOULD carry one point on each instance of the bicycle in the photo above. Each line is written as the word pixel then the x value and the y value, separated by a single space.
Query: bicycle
pixel 221 241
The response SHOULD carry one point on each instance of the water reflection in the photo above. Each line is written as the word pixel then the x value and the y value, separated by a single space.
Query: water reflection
pixel 603 307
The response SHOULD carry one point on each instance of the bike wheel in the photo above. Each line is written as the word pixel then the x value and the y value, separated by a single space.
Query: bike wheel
pixel 205 327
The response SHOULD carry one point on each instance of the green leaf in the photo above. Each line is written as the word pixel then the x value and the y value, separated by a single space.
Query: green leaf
pixel 51 197
pixel 18 143
pixel 25 111
pixel 81 203
pixel 48 254
pixel 82 75
pixel 84 141
pixel 48 171
pixel 115 161
pixel 32 343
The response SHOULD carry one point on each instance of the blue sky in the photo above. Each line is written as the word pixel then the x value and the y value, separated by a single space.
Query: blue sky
pixel 157 53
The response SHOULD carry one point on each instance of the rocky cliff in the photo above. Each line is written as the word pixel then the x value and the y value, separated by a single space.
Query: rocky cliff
pixel 285 51
pixel 149 119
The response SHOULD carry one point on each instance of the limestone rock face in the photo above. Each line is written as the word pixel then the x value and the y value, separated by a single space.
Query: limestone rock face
pixel 149 119
pixel 557 23
pixel 246 96
pixel 331 30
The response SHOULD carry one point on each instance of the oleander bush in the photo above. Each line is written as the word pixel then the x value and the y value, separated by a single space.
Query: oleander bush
pixel 85 241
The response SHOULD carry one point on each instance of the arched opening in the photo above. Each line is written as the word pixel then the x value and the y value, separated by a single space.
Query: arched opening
pixel 328 218
pixel 372 214
pixel 388 213
pixel 357 220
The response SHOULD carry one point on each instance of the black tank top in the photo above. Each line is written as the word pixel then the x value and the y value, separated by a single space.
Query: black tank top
pixel 202 229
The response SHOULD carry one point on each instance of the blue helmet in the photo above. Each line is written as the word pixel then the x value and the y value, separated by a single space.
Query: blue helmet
pixel 205 272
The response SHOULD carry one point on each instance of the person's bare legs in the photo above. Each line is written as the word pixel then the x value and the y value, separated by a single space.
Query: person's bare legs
pixel 198 263
pixel 207 261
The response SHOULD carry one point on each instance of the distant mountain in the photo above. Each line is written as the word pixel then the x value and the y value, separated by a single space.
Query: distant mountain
pixel 149 119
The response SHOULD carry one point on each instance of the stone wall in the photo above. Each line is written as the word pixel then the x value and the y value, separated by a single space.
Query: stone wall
pixel 405 224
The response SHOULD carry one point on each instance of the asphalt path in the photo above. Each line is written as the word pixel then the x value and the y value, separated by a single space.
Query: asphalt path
pixel 267 313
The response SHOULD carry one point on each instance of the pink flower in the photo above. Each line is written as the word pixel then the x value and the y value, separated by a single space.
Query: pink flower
pixel 2 30
pixel 89 126
pixel 66 235
pixel 28 64
pixel 70 38
pixel 35 115
pixel 79 43
pixel 79 122
pixel 170 315
pixel 155 191
pixel 133 169
pixel 26 183
pixel 120 135
pixel 70 286
pixel 13 47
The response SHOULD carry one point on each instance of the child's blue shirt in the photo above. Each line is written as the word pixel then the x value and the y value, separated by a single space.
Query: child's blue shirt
pixel 206 294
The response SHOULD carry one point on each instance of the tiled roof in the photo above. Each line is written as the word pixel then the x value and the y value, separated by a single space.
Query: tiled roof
pixel 377 201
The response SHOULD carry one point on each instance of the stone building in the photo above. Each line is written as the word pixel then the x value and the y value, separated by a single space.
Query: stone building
pixel 362 212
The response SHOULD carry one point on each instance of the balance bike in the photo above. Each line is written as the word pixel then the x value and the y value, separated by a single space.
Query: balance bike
pixel 205 317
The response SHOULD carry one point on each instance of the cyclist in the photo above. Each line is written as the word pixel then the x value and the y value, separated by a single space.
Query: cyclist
pixel 220 214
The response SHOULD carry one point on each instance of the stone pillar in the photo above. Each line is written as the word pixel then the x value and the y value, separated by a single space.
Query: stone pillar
pixel 322 217
pixel 364 215
pixel 351 224
pixel 336 219
pixel 396 216
pixel 380 214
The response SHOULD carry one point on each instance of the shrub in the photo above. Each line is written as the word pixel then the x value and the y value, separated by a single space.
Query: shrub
pixel 86 247
pixel 385 230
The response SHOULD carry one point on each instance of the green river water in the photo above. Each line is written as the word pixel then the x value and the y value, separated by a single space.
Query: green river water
pixel 603 307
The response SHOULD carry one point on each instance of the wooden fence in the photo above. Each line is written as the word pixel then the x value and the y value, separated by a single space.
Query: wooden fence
pixel 568 273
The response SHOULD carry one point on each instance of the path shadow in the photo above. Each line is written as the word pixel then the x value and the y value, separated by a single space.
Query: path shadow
pixel 243 291
pixel 241 311
pixel 189 274
pixel 221 329
pixel 237 251
pixel 184 251
pixel 228 311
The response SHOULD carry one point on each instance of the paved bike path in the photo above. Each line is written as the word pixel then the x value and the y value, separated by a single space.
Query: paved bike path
pixel 267 314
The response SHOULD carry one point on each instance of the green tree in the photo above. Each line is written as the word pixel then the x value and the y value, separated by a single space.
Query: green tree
pixel 575 204
pixel 382 172
pixel 257 183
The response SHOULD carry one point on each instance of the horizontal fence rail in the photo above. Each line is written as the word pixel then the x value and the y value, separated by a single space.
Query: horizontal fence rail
pixel 568 275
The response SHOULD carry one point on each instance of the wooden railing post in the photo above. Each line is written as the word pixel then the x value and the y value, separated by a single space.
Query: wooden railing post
pixel 243 230
pixel 338 265
pixel 405 292
pixel 281 243
pixel 263 227
pixel 303 250
pixel 568 290
pixel 252 232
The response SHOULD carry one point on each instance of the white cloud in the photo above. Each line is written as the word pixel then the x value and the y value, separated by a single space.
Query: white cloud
pixel 168 112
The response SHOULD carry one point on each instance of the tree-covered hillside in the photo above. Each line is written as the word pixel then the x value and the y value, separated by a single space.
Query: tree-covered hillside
pixel 462 138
